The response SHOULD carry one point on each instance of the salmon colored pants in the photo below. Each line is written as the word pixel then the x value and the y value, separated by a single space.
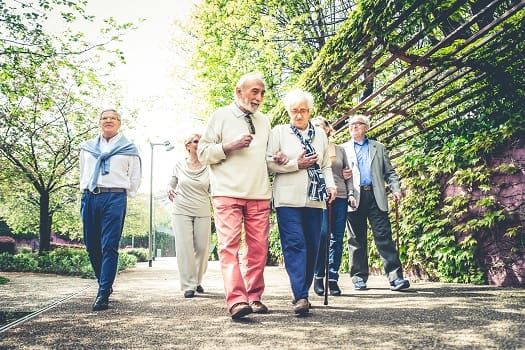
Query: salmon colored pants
pixel 243 278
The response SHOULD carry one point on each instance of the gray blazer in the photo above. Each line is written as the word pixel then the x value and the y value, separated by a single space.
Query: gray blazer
pixel 382 172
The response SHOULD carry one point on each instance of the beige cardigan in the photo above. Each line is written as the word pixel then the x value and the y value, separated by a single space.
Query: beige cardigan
pixel 290 186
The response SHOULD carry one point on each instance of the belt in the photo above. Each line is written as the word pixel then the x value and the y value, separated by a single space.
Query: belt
pixel 98 190
pixel 366 188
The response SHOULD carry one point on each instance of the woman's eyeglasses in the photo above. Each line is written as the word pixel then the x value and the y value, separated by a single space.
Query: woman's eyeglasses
pixel 195 141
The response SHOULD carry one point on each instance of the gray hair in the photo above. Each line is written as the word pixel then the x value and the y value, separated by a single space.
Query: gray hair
pixel 246 78
pixel 298 95
pixel 359 118
pixel 110 110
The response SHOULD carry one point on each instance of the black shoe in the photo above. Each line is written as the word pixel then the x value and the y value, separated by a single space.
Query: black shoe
pixel 318 286
pixel 399 284
pixel 200 289
pixel 189 294
pixel 334 288
pixel 101 303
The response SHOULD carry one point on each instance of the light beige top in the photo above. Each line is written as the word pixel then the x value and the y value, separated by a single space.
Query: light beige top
pixel 243 173
pixel 192 195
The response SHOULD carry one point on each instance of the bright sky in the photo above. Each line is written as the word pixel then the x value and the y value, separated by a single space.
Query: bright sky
pixel 165 107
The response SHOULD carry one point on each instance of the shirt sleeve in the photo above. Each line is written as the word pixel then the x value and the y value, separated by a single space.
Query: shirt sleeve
pixel 135 175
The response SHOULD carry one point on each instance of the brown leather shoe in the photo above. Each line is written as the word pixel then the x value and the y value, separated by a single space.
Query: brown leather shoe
pixel 258 307
pixel 240 310
pixel 302 307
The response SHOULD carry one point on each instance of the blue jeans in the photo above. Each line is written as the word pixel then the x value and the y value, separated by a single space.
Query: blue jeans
pixel 103 220
pixel 339 212
pixel 300 230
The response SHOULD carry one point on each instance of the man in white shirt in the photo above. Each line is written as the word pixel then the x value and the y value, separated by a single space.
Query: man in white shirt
pixel 110 170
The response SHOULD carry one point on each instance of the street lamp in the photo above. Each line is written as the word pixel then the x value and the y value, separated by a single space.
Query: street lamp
pixel 168 147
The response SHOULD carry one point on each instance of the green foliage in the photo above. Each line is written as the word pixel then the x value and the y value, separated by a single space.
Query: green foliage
pixel 126 261
pixel 66 261
pixel 441 234
pixel 49 86
pixel 140 253
pixel 275 254
pixel 214 247
pixel 20 262
pixel 3 280
pixel 278 38
pixel 62 261
pixel 25 249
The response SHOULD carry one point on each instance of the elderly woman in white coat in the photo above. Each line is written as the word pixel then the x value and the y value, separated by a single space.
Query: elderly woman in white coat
pixel 300 190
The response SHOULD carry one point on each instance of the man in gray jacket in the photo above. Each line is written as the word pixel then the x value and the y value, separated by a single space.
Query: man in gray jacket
pixel 371 168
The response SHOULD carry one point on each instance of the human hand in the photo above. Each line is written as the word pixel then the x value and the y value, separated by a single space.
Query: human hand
pixel 333 194
pixel 304 162
pixel 347 173
pixel 397 196
pixel 280 158
pixel 352 202
pixel 171 193
pixel 242 141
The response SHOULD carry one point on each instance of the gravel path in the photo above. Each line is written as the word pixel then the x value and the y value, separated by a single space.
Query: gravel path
pixel 147 311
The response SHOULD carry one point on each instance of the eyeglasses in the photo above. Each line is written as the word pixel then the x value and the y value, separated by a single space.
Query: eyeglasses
pixel 301 111
pixel 195 141
pixel 110 118
pixel 354 124
pixel 249 121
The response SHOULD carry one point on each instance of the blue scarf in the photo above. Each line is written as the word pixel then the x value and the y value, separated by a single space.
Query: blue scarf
pixel 317 186
pixel 122 146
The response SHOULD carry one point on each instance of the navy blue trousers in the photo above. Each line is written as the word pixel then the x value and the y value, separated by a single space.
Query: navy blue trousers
pixel 300 231
pixel 103 220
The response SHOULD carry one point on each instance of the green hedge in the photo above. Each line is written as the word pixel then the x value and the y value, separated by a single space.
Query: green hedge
pixel 61 261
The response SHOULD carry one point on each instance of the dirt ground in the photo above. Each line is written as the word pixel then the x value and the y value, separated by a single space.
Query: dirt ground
pixel 148 311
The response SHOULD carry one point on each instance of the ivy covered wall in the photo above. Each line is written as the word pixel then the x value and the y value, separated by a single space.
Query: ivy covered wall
pixel 443 84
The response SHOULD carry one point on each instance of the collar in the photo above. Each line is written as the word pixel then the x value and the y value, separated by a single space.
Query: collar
pixel 365 142
pixel 111 140
pixel 237 111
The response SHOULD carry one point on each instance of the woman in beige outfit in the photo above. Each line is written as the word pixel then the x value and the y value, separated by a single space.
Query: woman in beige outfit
pixel 189 192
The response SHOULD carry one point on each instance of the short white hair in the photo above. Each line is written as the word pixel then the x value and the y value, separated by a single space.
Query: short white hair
pixel 298 95
pixel 257 76
pixel 359 118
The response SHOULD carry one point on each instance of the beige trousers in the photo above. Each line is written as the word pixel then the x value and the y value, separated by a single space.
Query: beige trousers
pixel 192 245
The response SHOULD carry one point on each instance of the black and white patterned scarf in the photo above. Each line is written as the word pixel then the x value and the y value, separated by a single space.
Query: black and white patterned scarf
pixel 317 186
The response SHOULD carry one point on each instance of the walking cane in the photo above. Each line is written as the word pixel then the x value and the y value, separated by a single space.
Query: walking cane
pixel 327 253
pixel 396 208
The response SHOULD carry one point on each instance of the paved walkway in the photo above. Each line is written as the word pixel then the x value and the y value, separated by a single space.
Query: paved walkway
pixel 147 311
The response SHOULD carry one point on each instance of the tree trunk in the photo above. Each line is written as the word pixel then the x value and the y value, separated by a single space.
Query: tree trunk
pixel 45 223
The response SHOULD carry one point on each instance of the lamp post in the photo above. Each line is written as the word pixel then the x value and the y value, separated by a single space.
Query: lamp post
pixel 168 147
